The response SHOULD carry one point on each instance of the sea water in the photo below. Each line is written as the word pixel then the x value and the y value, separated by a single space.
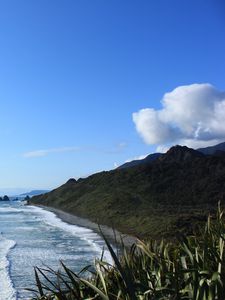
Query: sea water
pixel 31 236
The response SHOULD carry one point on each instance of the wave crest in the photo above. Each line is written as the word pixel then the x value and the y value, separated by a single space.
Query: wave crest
pixel 7 290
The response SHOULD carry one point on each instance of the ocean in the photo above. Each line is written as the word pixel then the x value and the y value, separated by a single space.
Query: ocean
pixel 31 236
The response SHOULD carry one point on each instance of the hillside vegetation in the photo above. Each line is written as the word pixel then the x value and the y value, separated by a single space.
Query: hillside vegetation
pixel 164 197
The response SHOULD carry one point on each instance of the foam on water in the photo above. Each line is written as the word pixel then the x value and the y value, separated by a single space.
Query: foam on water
pixel 41 238
pixel 86 234
pixel 9 209
pixel 7 291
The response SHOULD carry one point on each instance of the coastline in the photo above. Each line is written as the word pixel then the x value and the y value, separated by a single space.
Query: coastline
pixel 108 232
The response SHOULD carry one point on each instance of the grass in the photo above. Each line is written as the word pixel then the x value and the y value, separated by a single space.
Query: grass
pixel 191 268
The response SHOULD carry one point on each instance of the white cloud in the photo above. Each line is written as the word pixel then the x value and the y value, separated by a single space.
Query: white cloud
pixel 137 158
pixel 45 152
pixel 122 145
pixel 115 165
pixel 192 115
pixel 162 149
pixel 116 149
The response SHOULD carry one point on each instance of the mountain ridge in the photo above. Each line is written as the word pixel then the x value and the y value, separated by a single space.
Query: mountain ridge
pixel 212 150
pixel 170 194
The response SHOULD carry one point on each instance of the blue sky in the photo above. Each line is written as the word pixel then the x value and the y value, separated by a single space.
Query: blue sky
pixel 73 73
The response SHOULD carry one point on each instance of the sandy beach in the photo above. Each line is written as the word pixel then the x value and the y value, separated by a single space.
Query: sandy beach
pixel 113 236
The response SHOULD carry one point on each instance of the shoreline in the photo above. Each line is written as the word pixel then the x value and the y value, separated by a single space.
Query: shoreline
pixel 108 232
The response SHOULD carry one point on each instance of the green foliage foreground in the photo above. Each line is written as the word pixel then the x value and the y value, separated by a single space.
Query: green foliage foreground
pixel 192 268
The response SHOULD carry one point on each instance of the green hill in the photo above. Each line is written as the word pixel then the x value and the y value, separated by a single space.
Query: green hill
pixel 161 198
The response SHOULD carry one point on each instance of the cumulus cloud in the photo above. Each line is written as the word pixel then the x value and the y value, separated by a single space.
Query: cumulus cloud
pixel 192 115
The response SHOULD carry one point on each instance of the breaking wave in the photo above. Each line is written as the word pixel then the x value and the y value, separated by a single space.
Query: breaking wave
pixel 7 290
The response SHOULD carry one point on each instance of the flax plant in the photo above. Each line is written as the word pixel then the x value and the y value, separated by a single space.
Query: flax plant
pixel 192 268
